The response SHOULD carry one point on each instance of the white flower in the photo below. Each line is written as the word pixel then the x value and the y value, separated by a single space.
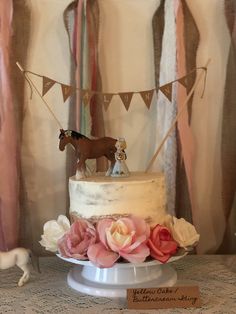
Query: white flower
pixel 183 232
pixel 53 230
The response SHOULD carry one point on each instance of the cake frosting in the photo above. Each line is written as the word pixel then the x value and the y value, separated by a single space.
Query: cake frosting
pixel 99 196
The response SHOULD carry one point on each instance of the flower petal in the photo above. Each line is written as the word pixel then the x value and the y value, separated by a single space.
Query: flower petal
pixel 128 222
pixel 154 249
pixel 168 247
pixel 141 227
pixel 165 234
pixel 100 256
pixel 78 227
pixel 102 226
pixel 64 222
pixel 138 255
pixel 62 247
pixel 113 243
pixel 162 259
pixel 135 244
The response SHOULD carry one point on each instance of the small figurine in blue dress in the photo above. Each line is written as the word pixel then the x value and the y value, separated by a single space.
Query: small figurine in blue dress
pixel 120 168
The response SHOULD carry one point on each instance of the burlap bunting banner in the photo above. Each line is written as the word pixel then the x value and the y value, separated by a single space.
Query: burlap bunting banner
pixel 67 91
pixel 86 96
pixel 126 99
pixel 105 98
pixel 167 90
pixel 147 97
pixel 47 84
pixel 184 81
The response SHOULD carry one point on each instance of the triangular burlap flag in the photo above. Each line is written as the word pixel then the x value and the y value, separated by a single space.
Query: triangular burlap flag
pixel 183 81
pixel 47 84
pixel 67 90
pixel 147 97
pixel 126 99
pixel 167 90
pixel 86 96
pixel 106 100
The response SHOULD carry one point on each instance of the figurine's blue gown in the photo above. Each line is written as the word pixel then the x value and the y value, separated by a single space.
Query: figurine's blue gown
pixel 120 169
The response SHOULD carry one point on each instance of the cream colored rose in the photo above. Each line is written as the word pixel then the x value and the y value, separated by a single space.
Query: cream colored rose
pixel 183 232
pixel 53 230
pixel 125 237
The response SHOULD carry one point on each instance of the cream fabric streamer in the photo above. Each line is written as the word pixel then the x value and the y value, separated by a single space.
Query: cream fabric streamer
pixel 127 64
pixel 208 215
pixel 166 111
pixel 44 180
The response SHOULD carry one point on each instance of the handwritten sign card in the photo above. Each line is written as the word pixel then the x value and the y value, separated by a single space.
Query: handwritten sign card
pixel 164 297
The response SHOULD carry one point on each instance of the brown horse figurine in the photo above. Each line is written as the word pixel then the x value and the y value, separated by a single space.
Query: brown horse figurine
pixel 86 148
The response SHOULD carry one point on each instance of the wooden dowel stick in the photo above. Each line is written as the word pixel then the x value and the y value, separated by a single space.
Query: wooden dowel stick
pixel 183 107
pixel 37 91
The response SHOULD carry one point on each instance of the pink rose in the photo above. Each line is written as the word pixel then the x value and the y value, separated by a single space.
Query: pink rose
pixel 161 244
pixel 100 256
pixel 77 240
pixel 125 237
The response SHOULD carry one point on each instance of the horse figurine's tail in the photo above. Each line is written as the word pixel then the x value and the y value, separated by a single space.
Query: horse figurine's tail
pixel 34 260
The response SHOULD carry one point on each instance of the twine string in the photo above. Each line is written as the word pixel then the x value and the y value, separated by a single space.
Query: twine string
pixel 33 86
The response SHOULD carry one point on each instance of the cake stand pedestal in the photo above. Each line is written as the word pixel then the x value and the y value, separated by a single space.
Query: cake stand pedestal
pixel 113 282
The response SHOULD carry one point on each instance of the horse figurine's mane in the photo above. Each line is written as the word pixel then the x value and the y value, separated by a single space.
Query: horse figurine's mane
pixel 77 135
pixel 71 133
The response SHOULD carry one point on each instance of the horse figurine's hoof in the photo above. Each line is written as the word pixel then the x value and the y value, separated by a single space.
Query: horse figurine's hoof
pixel 80 175
pixel 109 171
pixel 22 282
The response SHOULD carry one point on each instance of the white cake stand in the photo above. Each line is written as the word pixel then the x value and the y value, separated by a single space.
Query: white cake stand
pixel 113 282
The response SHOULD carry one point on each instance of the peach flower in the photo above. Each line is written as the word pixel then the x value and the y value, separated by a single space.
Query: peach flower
pixel 161 244
pixel 125 237
pixel 77 240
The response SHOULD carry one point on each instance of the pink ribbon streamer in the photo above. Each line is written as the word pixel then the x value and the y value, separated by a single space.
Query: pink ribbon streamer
pixel 9 187
pixel 78 56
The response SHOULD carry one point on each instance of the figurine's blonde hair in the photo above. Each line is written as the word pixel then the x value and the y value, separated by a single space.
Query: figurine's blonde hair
pixel 121 141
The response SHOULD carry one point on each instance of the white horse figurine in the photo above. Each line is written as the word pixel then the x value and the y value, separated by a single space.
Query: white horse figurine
pixel 17 257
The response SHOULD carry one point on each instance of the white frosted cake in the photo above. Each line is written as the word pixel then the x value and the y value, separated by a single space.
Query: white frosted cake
pixel 117 218
pixel 141 194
